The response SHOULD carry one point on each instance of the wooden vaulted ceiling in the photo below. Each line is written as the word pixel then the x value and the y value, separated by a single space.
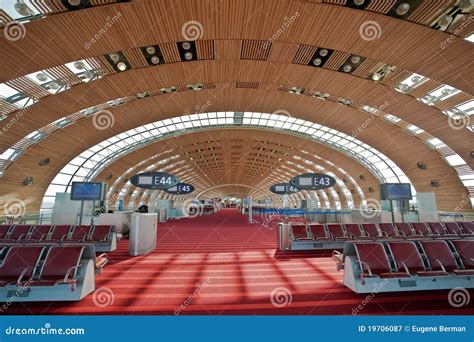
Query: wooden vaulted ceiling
pixel 245 76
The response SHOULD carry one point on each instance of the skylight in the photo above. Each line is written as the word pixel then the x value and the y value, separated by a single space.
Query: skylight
pixel 455 160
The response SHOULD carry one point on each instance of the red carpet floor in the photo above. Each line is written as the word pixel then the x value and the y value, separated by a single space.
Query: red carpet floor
pixel 220 264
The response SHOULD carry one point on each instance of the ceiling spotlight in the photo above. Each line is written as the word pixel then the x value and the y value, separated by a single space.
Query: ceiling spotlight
pixel 344 101
pixel 186 45
pixel 89 111
pixel 445 20
pixel 169 90
pixel 88 74
pixel 79 65
pixel 23 9
pixel 359 2
pixel 403 8
pixel 150 50
pixel 416 79
pixel 376 76
pixel 347 68
pixel 114 57
pixel 122 66
pixel 155 60
pixel 355 59
pixel 403 87
pixel 74 2
pixel 54 85
pixel 465 4
pixel 317 61
pixel 188 56
pixel 115 102
pixel 141 95
pixel 41 77
pixel 323 52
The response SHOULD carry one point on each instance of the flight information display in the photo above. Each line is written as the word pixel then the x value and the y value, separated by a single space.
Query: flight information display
pixel 86 191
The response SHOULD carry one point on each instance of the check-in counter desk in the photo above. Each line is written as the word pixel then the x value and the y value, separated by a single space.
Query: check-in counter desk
pixel 143 232
pixel 121 220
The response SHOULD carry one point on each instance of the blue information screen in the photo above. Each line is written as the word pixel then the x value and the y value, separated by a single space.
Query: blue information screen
pixel 86 191
pixel 398 191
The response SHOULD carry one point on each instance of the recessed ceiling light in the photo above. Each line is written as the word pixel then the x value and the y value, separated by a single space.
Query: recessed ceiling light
pixel 347 68
pixel 155 60
pixel 74 2
pixel 23 9
pixel 54 85
pixel 188 56
pixel 41 77
pixel 355 59
pixel 445 20
pixel 186 45
pixel 79 65
pixel 403 8
pixel 150 50
pixel 465 4
pixel 88 74
pixel 416 79
pixel 376 76
pixel 323 52
pixel 122 66
pixel 403 87
pixel 317 61
pixel 359 2
pixel 114 57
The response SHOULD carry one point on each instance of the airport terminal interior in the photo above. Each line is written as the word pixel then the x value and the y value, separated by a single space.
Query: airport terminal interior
pixel 236 157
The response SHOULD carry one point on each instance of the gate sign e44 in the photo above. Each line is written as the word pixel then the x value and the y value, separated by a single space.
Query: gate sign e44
pixel 154 180
pixel 284 189
pixel 313 181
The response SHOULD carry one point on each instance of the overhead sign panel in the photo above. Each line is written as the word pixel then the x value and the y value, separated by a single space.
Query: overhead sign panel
pixel 154 180
pixel 313 181
pixel 283 189
pixel 180 189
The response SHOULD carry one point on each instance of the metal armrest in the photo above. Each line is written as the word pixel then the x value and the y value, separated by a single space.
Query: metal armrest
pixel 417 232
pixel 364 264
pixel 44 236
pixel 69 271
pixel 402 233
pixel 440 264
pixel 405 267
pixel 63 237
pixel 22 236
pixel 20 278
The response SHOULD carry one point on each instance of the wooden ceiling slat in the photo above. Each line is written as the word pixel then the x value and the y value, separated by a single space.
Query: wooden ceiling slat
pixel 26 86
pixel 304 54
pixel 135 58
pixel 429 10
pixel 380 6
pixel 367 68
pixel 336 60
pixel 453 101
pixel 425 88
pixel 396 77
pixel 170 52
pixel 205 49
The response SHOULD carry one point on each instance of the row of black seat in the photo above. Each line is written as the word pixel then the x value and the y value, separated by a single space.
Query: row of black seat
pixel 370 231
